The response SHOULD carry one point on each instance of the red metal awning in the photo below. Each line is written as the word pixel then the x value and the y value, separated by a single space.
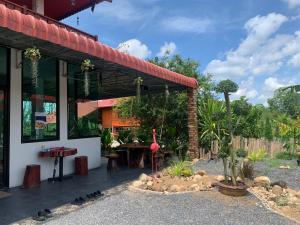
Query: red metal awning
pixel 40 28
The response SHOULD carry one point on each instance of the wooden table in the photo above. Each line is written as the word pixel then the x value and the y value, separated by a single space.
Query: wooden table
pixel 58 153
pixel 134 147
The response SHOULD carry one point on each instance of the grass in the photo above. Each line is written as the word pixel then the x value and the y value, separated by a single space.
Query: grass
pixel 276 163
pixel 180 168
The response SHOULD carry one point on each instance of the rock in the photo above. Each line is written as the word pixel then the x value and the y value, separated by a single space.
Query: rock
pixel 174 188
pixel 220 178
pixel 149 183
pixel 164 187
pixel 159 175
pixel 277 190
pixel 201 173
pixel 238 179
pixel 197 178
pixel 284 167
pixel 144 177
pixel 262 181
pixel 137 183
pixel 248 182
pixel 280 183
pixel 195 161
pixel 194 187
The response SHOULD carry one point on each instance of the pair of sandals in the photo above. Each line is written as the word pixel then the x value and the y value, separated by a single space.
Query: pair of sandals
pixel 78 201
pixel 43 215
pixel 94 195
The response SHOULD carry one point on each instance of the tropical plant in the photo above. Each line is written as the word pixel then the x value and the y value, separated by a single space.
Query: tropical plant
pixel 86 66
pixel 180 168
pixel 241 153
pixel 226 87
pixel 257 155
pixel 34 55
pixel 106 139
pixel 286 155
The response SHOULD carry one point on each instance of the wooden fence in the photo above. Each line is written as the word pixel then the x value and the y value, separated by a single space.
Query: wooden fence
pixel 249 144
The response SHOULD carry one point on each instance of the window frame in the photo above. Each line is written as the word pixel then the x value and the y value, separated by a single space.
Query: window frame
pixel 57 136
pixel 68 106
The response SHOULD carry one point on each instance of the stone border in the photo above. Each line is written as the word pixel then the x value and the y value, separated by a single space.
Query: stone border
pixel 266 205
pixel 135 189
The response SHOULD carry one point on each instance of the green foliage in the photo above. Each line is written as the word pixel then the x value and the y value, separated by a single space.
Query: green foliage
pixel 180 168
pixel 241 153
pixel 257 155
pixel 226 86
pixel 281 200
pixel 268 130
pixel 106 139
pixel 286 155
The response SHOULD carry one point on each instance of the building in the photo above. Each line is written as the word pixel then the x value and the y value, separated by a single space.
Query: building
pixel 55 86
pixel 110 118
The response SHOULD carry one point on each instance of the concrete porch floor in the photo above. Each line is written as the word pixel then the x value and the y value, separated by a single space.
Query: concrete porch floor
pixel 23 203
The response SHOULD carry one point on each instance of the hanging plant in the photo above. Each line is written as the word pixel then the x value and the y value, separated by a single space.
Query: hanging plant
pixel 138 82
pixel 34 55
pixel 86 66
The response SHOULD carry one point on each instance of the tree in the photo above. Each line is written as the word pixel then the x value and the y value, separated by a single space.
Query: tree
pixel 226 87
pixel 157 110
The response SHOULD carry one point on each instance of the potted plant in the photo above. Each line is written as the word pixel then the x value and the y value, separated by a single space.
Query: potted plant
pixel 230 186
pixel 86 66
pixel 34 55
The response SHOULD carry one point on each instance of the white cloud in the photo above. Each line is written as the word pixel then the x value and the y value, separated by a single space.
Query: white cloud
pixel 135 47
pixel 168 48
pixel 272 83
pixel 295 60
pixel 262 52
pixel 187 25
pixel 246 89
pixel 292 3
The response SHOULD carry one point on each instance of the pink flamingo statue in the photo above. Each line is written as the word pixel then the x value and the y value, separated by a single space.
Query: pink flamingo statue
pixel 154 147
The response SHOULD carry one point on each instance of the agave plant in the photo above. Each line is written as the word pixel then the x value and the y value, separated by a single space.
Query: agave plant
pixel 34 55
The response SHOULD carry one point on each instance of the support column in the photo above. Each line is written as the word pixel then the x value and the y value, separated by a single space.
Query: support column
pixel 193 149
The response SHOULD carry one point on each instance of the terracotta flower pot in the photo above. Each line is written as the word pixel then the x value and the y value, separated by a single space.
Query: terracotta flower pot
pixel 231 190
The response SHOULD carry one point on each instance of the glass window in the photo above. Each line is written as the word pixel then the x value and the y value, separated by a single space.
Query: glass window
pixel 83 115
pixel 3 66
pixel 39 101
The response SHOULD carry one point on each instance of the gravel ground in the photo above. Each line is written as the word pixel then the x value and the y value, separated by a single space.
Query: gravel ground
pixel 198 208
pixel 291 176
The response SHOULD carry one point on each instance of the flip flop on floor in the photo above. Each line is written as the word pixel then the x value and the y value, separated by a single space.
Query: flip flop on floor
pixel 76 202
pixel 48 212
pixel 39 217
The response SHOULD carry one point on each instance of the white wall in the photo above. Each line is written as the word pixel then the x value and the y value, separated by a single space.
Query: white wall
pixel 25 154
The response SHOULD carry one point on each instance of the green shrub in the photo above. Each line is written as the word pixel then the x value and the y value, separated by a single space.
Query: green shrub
pixel 281 200
pixel 285 155
pixel 180 168
pixel 258 155
pixel 241 153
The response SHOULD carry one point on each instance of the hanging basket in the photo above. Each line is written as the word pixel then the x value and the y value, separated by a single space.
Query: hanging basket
pixel 86 66
pixel 138 82
pixel 34 55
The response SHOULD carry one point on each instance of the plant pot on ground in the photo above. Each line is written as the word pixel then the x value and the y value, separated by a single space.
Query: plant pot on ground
pixel 240 189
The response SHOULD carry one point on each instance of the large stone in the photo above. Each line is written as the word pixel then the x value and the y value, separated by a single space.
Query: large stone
pixel 137 183
pixel 262 181
pixel 201 172
pixel 277 190
pixel 195 161
pixel 194 187
pixel 144 177
pixel 174 188
pixel 197 178
pixel 220 178
pixel 149 184
pixel 280 183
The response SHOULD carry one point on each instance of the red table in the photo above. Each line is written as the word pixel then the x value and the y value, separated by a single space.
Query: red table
pixel 58 153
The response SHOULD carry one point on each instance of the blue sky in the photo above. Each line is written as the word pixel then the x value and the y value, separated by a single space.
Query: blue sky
pixel 255 43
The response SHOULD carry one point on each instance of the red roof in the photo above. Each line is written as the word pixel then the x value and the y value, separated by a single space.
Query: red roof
pixel 107 103
pixel 40 28
pixel 60 9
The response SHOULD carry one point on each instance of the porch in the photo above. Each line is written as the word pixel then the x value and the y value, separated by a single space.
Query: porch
pixel 24 203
